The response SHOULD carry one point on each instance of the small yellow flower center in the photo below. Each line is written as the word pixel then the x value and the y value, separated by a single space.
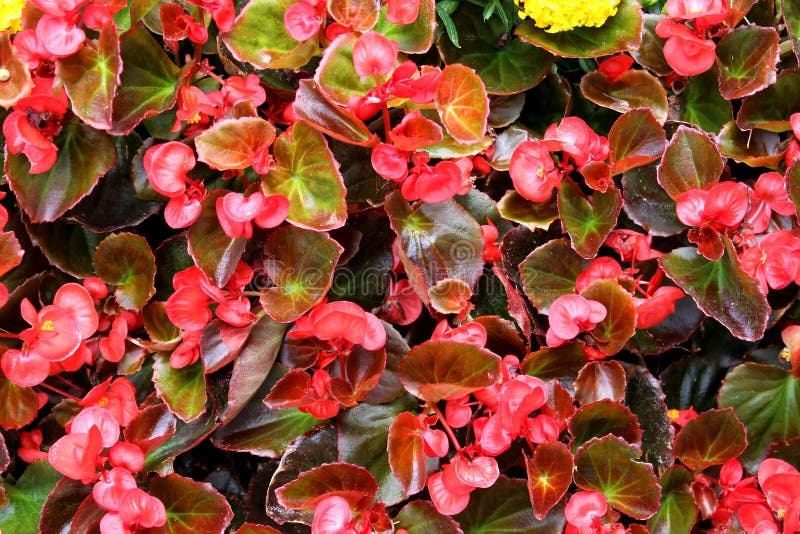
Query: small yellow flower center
pixel 11 15
pixel 673 414
pixel 540 173
pixel 562 15
pixel 780 513
pixel 763 258
pixel 103 402
pixel 48 325
pixel 195 119
pixel 785 354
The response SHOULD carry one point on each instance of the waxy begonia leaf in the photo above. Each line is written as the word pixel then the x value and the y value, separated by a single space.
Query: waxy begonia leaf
pixel 747 57
pixel 702 104
pixel 363 438
pixel 210 247
pixel 233 143
pixel 678 511
pixel 619 325
pixel 650 53
pixel 560 363
pixel 90 77
pixel 437 370
pixel 23 501
pixel 157 324
pixel 19 81
pixel 636 139
pixel 632 89
pixel 70 247
pixel 713 438
pixel 644 397
pixel 588 220
pixel 407 456
pixel 549 272
pixel 793 182
pixel 771 108
pixel 504 110
pixel 691 160
pixel 756 148
pixel 300 263
pixel 126 261
pixel 791 17
pixel 259 37
pixel 340 123
pixel 151 427
pixel 140 8
pixel 352 382
pixel 787 450
pixel 184 390
pixel 84 155
pixel 505 144
pixel 437 241
pixel 603 417
pixel 647 204
pixel 389 386
pixel 721 289
pixel 421 517
pixel 767 400
pixel 307 175
pixel 532 215
pixel 511 67
pixel 506 507
pixel 502 335
pixel 360 15
pixel 619 33
pixel 609 465
pixel 252 528
pixel 600 380
pixel 351 482
pixel 670 332
pixel 738 9
pixel 413 38
pixel 11 252
pixel 185 437
pixel 172 256
pixel 61 506
pixel 462 103
pixel 148 83
pixel 549 476
pixel 18 405
pixel 336 76
pixel 191 506
pixel 220 344
pixel 692 382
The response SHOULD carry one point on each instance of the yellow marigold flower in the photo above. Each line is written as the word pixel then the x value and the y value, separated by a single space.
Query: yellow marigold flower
pixel 561 15
pixel 10 15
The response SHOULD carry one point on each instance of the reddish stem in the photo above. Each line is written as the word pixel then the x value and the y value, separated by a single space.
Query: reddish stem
pixel 60 392
pixel 447 428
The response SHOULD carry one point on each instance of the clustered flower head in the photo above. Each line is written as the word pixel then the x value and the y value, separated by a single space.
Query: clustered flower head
pixel 562 16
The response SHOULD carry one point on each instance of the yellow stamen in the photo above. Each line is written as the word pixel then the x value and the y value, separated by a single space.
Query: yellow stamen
pixel 48 325
pixel 785 354
pixel 673 414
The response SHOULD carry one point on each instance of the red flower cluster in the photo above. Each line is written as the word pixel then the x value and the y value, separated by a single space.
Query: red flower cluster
pixel 687 49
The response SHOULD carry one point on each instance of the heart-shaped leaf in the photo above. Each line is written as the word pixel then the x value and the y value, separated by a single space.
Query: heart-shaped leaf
pixel 24 500
pixel 747 59
pixel 300 263
pixel 549 272
pixel 234 143
pixel 336 76
pixel 361 372
pixel 549 476
pixel 148 83
pixel 421 517
pixel 90 77
pixel 771 108
pixel 84 155
pixel 713 438
pixel 191 506
pixel 588 220
pixel 126 261
pixel 650 53
pixel 647 204
pixel 259 37
pixel 691 160
pixel 70 247
pixel 11 252
pixel 721 289
pixel 601 418
pixel 62 505
pixel 510 68
pixel 406 452
pixel 184 390
pixel 413 38
pixel 609 465
pixel 151 427
pixel 437 370
pixel 340 123
pixel 619 324
pixel 636 139
pixel 351 482
pixel 532 215
pixel 462 103
pixel 644 397
pixel 756 148
pixel 600 380
pixel 307 175
pixel 560 363
pixel 767 400
pixel 632 89
pixel 19 81
pixel 619 33
pixel 210 247
pixel 702 104
pixel 678 511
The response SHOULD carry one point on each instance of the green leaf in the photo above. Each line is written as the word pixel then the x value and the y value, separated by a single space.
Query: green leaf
pixel 340 123
pixel 413 38
pixel 437 370
pixel 462 103
pixel 590 220
pixel 421 517
pixel 767 400
pixel 308 175
pixel 210 247
pixel 126 261
pixel 300 263
pixel 619 33
pixel 713 438
pixel 701 103
pixel 84 155
pixel 27 497
pixel 532 215
pixel 549 272
pixel 560 363
pixel 510 68
pixel 691 160
pixel 756 148
pixel 184 437
pixel 609 465
pixel 636 139
pixel 748 57
pixel 650 53
pixel 148 83
pixel 601 418
pixel 61 506
pixel 506 508
pixel 351 482
pixel 721 289
pixel 791 17
pixel 678 511
pixel 549 476
pixel 233 143
pixel 192 507
pixel 259 37
pixel 619 325
pixel 600 380
pixel 632 89
pixel 336 75
pixel 90 77
pixel 771 108
pixel 18 405
pixel 647 204
pixel 184 390
pixel 70 247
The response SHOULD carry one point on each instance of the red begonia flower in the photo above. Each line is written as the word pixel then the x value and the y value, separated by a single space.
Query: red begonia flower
pixel 451 498
pixel 660 305
pixel 183 210
pixel 333 515
pixel 757 519
pixel 435 443
pixel 578 141
pixel 112 487
pixel 222 11
pixel 533 171
pixel 59 34
pixel 402 305
pixel 374 55
pixel 166 166
pixel 24 369
pixel 302 20
pixel 687 54
pixel 602 268
pixel 117 396
pixel 584 507
pixel 491 252
pixel 415 132
pixel 709 11
pixel 571 315
pixel 112 347
pixel 471 333
pixel 54 335
pixel 771 188
pixel 142 510
pixel 238 89
pixel 127 455
pixel 76 300
pixel 478 471
pixel 346 320
pixel 389 162
pixel 102 419
pixel 187 352
pixel 402 11
pixel 613 67
pixel 30 444
pixel 457 413
pixel 543 429
pixel 187 308
pixel 75 455
pixel 774 260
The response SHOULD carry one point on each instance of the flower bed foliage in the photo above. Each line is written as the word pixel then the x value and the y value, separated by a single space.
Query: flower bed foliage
pixel 406 266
